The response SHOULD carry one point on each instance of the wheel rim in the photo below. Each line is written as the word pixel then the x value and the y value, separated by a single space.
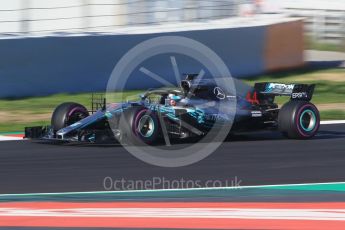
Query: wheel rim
pixel 146 126
pixel 308 120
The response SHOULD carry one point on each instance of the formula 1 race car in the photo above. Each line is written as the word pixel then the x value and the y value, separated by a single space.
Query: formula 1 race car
pixel 181 113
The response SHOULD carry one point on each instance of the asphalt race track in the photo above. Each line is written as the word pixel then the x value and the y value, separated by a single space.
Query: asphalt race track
pixel 255 159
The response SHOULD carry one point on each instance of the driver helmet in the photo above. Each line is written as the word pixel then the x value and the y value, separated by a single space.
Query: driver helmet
pixel 173 99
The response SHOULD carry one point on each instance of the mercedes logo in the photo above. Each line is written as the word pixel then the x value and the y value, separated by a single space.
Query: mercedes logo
pixel 219 93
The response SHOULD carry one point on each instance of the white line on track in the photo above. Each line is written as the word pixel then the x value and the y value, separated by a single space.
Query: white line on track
pixel 243 213
pixel 9 138
pixel 332 122
pixel 171 190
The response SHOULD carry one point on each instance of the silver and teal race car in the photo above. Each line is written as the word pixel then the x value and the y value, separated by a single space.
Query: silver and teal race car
pixel 190 111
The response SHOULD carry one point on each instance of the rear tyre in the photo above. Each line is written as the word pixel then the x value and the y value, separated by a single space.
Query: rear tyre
pixel 66 114
pixel 299 120
pixel 139 126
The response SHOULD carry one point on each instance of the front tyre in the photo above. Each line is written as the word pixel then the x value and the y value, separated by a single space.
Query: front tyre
pixel 67 114
pixel 299 119
pixel 145 126
pixel 139 126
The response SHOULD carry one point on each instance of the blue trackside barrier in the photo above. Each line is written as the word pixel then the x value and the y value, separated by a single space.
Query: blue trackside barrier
pixel 48 65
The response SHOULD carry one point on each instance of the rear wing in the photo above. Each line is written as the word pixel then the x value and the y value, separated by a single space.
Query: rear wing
pixel 295 91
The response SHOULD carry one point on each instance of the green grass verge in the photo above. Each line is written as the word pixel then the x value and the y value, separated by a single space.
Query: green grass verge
pixel 35 106
pixel 16 127
pixel 39 105
pixel 312 44
pixel 332 115
pixel 325 47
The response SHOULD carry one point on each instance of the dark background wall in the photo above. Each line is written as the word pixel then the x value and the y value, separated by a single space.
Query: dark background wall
pixel 47 65
pixel 41 66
